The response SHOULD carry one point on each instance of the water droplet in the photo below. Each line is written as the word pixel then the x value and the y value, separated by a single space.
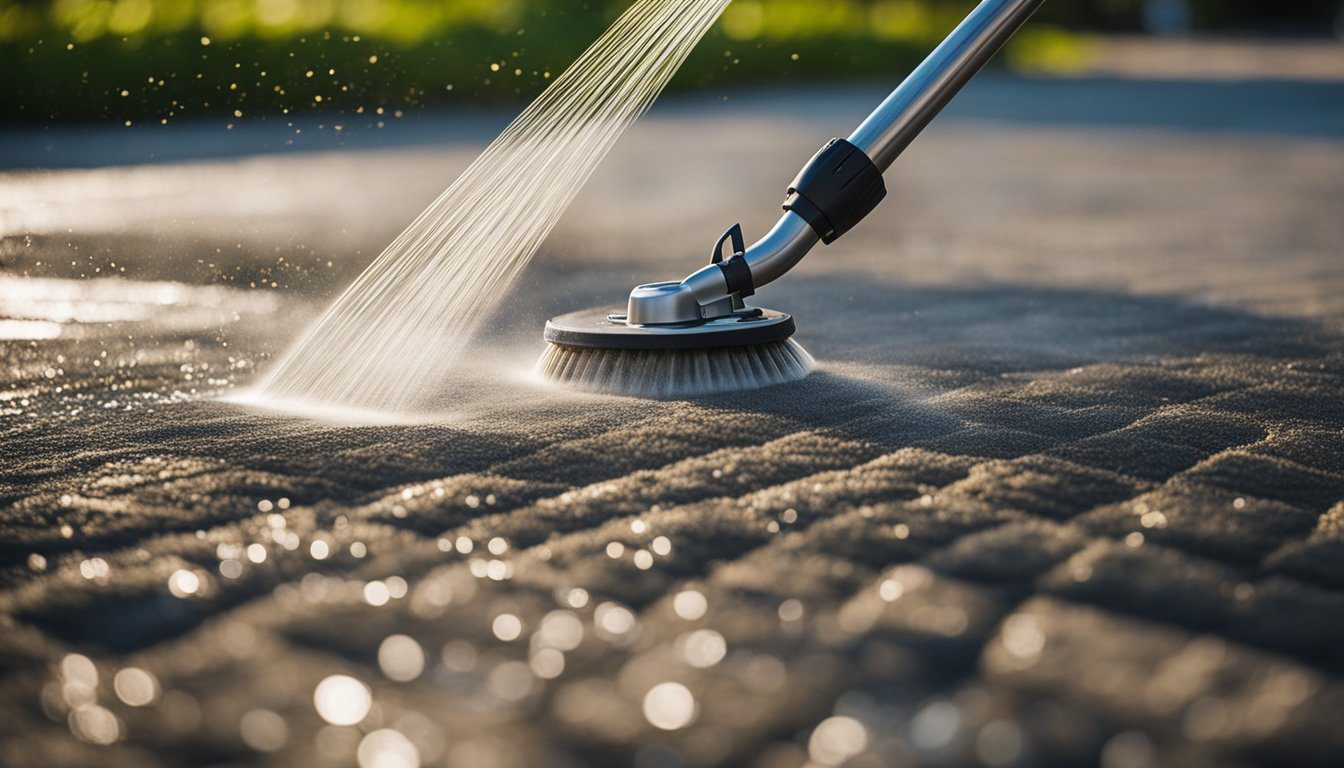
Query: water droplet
pixel 95 724
pixel 376 593
pixel 135 687
pixel 387 748
pixel 703 648
pixel 342 700
pixel 263 730
pixel 183 583
pixel 547 663
pixel 890 590
pixel 790 610
pixel 669 706
pixel 613 621
pixel 507 627
pixel 690 604
pixel 560 629
pixel 401 658
pixel 836 740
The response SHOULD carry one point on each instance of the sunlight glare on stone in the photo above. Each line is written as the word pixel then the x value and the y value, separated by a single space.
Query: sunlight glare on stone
pixel 613 621
pixel 135 687
pixel 690 604
pixel 560 629
pixel 1022 636
pixel 703 648
pixel 79 669
pixel 376 593
pixel 342 700
pixel 387 748
pixel 507 627
pixel 836 740
pixel 183 583
pixel 401 658
pixel 547 663
pixel 890 590
pixel 29 330
pixel 575 598
pixel 669 706
pixel 37 308
pixel 95 724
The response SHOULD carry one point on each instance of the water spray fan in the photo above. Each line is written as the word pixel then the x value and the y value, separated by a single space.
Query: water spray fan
pixel 698 335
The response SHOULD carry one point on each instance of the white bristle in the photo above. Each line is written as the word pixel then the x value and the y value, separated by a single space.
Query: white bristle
pixel 675 373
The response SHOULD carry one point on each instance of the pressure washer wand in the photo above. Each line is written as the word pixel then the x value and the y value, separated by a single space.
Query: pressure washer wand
pixel 842 183
pixel 881 137
pixel 902 115
pixel 697 336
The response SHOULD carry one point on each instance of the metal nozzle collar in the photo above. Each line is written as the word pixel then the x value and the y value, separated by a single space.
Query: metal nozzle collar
pixel 706 294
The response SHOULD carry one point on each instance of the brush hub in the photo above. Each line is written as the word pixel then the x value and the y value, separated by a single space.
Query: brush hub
pixel 608 329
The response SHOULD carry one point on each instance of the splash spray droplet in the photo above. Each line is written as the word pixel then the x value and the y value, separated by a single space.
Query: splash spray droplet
pixel 389 340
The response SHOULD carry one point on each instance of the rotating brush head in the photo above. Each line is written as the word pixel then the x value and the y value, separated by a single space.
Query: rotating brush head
pixel 697 336
pixel 598 351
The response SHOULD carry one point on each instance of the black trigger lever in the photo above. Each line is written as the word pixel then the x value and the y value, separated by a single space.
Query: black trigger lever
pixel 734 233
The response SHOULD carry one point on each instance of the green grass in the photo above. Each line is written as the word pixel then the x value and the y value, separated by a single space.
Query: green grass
pixel 163 60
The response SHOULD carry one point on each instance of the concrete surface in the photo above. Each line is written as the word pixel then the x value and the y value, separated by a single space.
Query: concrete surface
pixel 1067 488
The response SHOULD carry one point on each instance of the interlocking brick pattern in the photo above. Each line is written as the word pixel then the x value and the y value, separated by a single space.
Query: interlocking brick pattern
pixel 1068 488
pixel 1068 554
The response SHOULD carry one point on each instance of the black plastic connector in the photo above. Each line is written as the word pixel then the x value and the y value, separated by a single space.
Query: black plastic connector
pixel 836 189
pixel 736 271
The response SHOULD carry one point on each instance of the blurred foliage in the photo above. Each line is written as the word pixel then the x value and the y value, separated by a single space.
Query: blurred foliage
pixel 160 60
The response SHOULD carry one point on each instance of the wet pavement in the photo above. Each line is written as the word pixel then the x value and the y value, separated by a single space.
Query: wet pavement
pixel 1065 489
